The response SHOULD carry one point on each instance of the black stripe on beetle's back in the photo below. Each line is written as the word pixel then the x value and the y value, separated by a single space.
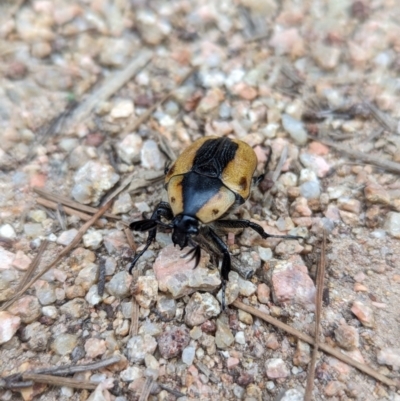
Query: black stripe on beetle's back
pixel 197 191
pixel 213 156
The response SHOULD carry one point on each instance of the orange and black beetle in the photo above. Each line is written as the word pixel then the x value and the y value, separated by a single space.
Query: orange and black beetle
pixel 204 184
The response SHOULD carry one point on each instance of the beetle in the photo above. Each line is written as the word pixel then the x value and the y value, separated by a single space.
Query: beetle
pixel 209 180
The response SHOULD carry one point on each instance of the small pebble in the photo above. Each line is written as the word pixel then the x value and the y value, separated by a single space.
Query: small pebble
pixel 315 163
pixel 92 239
pixel 200 308
pixel 389 356
pixel 27 308
pixel 76 309
pixel 172 342
pixel 295 128
pixel 151 157
pixel 119 285
pixel 166 307
pixel 138 346
pixel 9 324
pixel 122 108
pixel 7 231
pixel 21 261
pixel 276 368
pixel 66 237
pixel 33 230
pixel 375 193
pixel 310 190
pixel 223 336
pixel 92 296
pixel 145 291
pixel 63 344
pixel 347 337
pixel 6 259
pixel 129 148
pixel 50 311
pixel 363 313
pixel 240 338
pixel 123 204
pixel 392 224
pixel 95 347
pixel 45 292
pixel 292 395
pixel 37 336
pixel 263 293
pixel 302 356
pixel 245 317
pixel 92 181
pixel 131 373
pixel 188 355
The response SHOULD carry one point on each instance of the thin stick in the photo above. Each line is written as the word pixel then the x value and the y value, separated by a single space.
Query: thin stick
pixel 102 277
pixel 318 311
pixel 59 381
pixel 129 237
pixel 68 210
pixel 71 369
pixel 146 389
pixel 375 160
pixel 110 85
pixel 63 253
pixel 383 119
pixel 308 339
pixel 134 328
pixel 34 264
pixel 137 123
pixel 69 202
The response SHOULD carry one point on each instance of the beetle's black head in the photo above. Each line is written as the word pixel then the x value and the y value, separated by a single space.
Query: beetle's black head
pixel 184 226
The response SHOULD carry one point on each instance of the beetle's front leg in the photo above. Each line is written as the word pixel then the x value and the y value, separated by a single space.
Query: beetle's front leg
pixel 163 209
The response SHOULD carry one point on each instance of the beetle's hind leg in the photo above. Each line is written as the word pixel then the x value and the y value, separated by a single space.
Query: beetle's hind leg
pixel 163 209
pixel 249 224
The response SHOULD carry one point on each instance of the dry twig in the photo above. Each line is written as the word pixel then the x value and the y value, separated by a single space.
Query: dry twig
pixel 129 237
pixel 59 381
pixel 63 253
pixel 318 312
pixel 134 328
pixel 146 389
pixel 375 160
pixel 63 200
pixel 33 265
pixel 324 347
pixel 111 84
pixel 51 375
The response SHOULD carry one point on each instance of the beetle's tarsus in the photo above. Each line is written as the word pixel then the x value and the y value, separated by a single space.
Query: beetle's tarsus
pixel 195 253
pixel 249 224
pixel 223 290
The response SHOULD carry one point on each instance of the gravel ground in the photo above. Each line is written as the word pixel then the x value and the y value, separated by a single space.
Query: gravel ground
pixel 77 78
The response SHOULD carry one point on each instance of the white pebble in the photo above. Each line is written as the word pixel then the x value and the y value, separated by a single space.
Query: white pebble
pixel 7 231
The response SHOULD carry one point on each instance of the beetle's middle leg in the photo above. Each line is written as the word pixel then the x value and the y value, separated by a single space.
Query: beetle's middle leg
pixel 249 224
pixel 163 209
pixel 226 259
